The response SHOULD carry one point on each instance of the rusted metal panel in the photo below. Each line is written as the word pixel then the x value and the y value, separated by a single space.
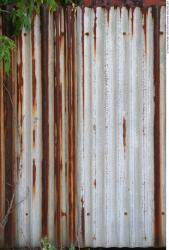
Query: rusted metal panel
pixel 120 3
pixel 87 127
pixel 119 126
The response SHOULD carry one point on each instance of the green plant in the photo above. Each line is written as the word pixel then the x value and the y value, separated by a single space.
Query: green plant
pixel 46 245
pixel 20 15
pixel 72 247
pixel 6 45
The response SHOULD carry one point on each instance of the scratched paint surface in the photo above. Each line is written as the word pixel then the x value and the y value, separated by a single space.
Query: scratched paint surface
pixel 82 129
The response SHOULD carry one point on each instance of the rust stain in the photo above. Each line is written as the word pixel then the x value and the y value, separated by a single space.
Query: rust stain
pixel 34 178
pixel 58 124
pixel 157 150
pixel 63 214
pixel 83 224
pixel 120 3
pixel 132 20
pixel 94 30
pixel 94 183
pixel 20 83
pixel 144 12
pixel 124 133
pixel 83 10
pixel 71 125
pixel 87 33
pixel 44 16
pixel 34 137
pixel 34 102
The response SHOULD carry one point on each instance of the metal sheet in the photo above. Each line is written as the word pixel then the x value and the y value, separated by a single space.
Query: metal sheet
pixel 116 136
pixel 83 126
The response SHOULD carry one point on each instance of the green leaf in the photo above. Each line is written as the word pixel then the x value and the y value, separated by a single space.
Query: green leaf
pixel 6 46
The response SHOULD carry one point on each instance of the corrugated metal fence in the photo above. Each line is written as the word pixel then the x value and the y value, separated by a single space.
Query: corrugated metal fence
pixel 82 129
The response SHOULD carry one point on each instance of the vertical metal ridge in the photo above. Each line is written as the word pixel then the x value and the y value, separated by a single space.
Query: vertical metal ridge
pixel 88 96
pixel 71 125
pixel 44 14
pixel 58 127
pixel 157 148
pixel 93 127
pixel 36 129
pixel 51 210
pixel 163 120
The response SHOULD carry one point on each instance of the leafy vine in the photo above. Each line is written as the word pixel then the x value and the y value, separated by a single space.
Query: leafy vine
pixel 20 14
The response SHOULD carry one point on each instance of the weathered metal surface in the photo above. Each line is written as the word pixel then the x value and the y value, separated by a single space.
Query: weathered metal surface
pixel 82 128
pixel 120 148
pixel 121 3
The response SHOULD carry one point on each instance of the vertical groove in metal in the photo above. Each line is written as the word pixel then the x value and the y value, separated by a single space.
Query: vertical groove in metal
pixel 71 123
pixel 89 104
pixel 157 148
pixel 116 113
pixel 36 136
pixel 58 128
pixel 45 116
pixel 163 119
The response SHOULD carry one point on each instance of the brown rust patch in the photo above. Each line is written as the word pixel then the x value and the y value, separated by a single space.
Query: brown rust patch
pixel 94 183
pixel 44 17
pixel 63 214
pixel 83 10
pixel 157 150
pixel 87 34
pixel 34 178
pixel 34 137
pixel 94 30
pixel 34 102
pixel 144 13
pixel 132 20
pixel 124 133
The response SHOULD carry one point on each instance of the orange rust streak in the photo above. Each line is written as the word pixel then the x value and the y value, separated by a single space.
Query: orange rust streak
pixel 71 124
pixel 34 102
pixel 58 126
pixel 34 178
pixel 144 12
